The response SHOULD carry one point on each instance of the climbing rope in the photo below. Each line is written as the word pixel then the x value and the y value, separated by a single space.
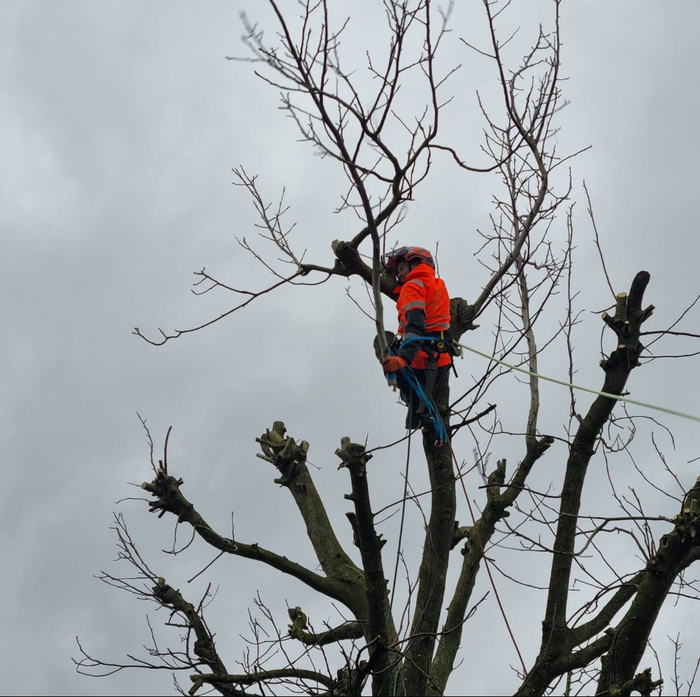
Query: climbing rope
pixel 442 436
pixel 403 517
pixel 438 426
pixel 617 397
pixel 476 532
pixel 486 562
pixel 398 548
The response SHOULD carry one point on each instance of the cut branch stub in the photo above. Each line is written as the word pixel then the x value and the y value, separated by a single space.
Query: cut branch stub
pixel 349 263
pixel 621 307
pixel 462 316
pixel 460 533
pixel 496 480
pixel 644 684
pixel 166 489
pixel 353 456
pixel 627 323
pixel 299 622
pixel 687 529
pixel 283 452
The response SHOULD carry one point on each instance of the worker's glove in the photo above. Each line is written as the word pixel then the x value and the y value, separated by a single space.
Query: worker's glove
pixel 392 364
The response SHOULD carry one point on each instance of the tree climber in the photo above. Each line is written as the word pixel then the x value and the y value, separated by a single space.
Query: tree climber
pixel 424 311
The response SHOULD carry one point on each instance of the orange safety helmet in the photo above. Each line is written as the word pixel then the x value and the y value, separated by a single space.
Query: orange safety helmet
pixel 392 259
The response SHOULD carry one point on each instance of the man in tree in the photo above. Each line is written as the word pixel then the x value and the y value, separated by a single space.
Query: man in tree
pixel 421 343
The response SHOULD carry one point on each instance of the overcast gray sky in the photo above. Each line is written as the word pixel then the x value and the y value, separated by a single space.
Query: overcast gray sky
pixel 121 122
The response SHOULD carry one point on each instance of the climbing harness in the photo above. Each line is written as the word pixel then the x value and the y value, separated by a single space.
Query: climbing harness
pixel 436 345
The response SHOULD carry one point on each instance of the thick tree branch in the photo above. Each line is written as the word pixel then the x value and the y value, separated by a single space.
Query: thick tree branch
pixel 204 645
pixel 477 538
pixel 169 498
pixel 290 460
pixel 432 574
pixel 346 631
pixel 379 628
pixel 220 679
pixel 634 629
pixel 621 597
pixel 555 634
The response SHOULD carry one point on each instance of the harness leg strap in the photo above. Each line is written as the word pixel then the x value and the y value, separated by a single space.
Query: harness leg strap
pixel 431 371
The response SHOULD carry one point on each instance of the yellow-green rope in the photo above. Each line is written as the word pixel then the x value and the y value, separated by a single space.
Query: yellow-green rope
pixel 619 398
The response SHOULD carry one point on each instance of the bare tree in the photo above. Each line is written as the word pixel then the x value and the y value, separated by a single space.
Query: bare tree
pixel 386 150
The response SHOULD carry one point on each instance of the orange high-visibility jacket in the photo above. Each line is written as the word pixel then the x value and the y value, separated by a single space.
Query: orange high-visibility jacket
pixel 424 310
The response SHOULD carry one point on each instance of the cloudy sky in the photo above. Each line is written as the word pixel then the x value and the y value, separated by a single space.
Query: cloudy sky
pixel 121 122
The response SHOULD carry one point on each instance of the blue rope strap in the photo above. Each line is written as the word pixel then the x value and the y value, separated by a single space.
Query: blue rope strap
pixel 414 383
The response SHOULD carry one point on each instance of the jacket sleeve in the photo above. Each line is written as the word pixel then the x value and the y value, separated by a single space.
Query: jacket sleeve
pixel 415 326
pixel 412 300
